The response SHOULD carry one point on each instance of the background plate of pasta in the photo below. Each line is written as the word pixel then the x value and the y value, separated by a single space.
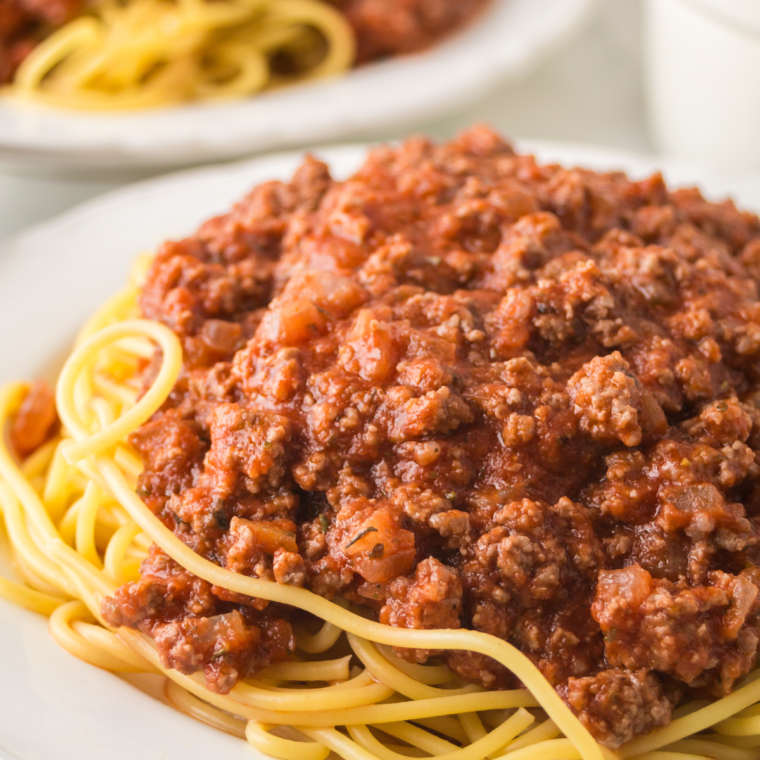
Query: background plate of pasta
pixel 150 83
pixel 172 519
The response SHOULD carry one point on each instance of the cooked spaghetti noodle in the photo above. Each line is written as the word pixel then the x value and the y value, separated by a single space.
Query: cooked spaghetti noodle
pixel 79 530
pixel 126 54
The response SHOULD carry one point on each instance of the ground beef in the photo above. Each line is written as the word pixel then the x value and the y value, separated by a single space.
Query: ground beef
pixel 432 598
pixel 464 389
pixel 611 403
pixel 196 629
pixel 619 704
pixel 700 635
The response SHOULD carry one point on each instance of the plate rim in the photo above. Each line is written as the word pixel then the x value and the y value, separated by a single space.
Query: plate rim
pixel 124 151
pixel 539 147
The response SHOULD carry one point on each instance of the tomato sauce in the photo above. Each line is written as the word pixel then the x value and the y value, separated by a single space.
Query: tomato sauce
pixel 463 388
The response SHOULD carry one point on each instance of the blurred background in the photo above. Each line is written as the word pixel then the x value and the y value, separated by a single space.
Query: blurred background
pixel 588 90
pixel 679 79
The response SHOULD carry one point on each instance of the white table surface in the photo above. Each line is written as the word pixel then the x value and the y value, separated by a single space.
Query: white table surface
pixel 587 91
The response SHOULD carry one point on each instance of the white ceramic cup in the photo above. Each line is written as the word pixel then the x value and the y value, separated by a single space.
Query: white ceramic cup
pixel 744 14
pixel 702 76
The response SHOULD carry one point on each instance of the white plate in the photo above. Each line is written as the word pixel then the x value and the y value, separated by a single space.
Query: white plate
pixel 395 94
pixel 53 707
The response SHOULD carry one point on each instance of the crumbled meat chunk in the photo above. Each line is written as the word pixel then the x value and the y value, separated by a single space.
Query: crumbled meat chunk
pixel 251 546
pixel 222 646
pixel 173 452
pixel 439 411
pixel 617 705
pixel 431 599
pixel 191 631
pixel 165 591
pixel 524 552
pixel 289 568
pixel 612 404
pixel 654 624
pixel 246 445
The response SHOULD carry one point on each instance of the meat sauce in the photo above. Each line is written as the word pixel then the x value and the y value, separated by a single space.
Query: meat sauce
pixel 386 28
pixel 463 389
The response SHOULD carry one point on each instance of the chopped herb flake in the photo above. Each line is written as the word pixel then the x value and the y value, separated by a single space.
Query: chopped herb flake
pixel 361 534
pixel 323 523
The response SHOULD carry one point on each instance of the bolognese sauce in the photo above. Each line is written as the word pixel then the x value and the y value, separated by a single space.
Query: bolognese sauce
pixel 386 28
pixel 465 389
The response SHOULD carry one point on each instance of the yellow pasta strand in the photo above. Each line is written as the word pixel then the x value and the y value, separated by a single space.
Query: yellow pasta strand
pixel 384 671
pixel 419 738
pixel 29 552
pixel 555 749
pixel 58 486
pixel 108 642
pixel 473 726
pixel 85 529
pixel 114 564
pixel 319 642
pixel 547 730
pixel 367 740
pixel 86 445
pixel 286 749
pixel 202 711
pixel 326 670
pixel 72 641
pixel 432 675
pixel 149 53
pixel 38 461
pixel 446 725
pixel 33 600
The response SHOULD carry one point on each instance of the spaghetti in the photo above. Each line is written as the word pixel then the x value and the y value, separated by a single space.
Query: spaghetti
pixel 79 530
pixel 145 53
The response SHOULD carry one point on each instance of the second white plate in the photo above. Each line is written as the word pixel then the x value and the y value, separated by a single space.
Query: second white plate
pixel 395 94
